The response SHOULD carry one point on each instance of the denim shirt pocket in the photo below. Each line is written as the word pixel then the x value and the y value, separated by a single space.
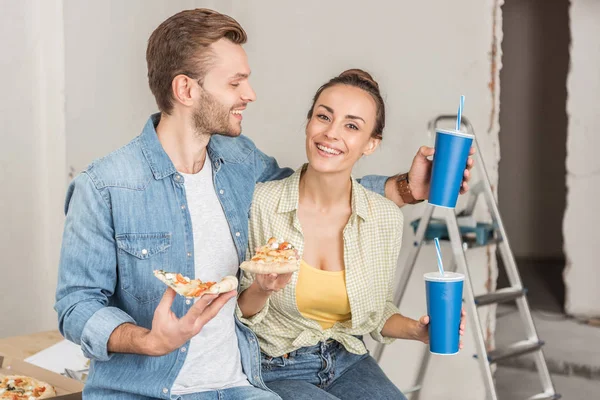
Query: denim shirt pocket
pixel 139 255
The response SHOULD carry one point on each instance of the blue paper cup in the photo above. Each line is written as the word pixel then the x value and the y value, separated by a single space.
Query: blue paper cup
pixel 449 163
pixel 444 303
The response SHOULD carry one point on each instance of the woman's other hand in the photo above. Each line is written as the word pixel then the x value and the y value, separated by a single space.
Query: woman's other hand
pixel 422 328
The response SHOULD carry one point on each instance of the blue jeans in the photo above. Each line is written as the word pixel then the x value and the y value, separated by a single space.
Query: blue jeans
pixel 234 393
pixel 327 371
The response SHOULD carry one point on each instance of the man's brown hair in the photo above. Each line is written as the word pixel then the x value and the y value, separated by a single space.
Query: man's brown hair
pixel 180 46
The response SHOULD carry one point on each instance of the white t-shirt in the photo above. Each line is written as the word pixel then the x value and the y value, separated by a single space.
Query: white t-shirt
pixel 213 361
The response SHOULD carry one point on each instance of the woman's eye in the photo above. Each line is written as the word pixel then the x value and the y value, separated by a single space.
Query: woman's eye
pixel 352 126
pixel 323 117
pixel 235 84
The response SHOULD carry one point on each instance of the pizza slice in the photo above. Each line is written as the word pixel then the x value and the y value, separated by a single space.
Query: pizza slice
pixel 20 387
pixel 275 257
pixel 195 287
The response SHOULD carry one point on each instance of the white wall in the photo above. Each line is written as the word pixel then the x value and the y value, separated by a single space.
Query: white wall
pixel 108 99
pixel 32 162
pixel 424 55
pixel 582 217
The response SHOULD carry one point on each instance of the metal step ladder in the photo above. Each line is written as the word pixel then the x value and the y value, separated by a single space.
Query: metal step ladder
pixel 462 238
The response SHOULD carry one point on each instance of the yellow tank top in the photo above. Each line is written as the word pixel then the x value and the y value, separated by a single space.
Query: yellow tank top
pixel 322 296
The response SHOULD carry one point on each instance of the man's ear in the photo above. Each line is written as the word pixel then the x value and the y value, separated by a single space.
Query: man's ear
pixel 182 87
pixel 371 146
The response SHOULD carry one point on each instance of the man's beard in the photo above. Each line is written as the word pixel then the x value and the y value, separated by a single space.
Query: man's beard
pixel 211 117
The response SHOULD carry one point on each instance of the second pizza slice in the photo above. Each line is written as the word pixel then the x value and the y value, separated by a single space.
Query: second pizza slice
pixel 275 257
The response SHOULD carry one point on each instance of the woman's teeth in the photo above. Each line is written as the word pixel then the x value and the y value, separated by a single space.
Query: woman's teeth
pixel 328 150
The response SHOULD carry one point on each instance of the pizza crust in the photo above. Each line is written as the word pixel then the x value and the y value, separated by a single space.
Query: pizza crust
pixel 258 267
pixel 188 290
pixel 227 284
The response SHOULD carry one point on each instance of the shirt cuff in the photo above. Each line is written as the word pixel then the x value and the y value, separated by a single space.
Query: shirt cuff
pixel 97 331
pixel 256 318
pixel 390 309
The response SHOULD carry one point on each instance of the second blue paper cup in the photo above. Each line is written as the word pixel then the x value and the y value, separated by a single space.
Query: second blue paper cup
pixel 444 304
pixel 449 163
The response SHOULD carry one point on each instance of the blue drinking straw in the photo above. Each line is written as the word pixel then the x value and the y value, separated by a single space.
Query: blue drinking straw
pixel 460 109
pixel 439 256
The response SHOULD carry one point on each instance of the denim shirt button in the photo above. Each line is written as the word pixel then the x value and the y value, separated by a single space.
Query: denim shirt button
pixel 144 251
pixel 221 191
pixel 165 390
pixel 177 177
pixel 183 349
pixel 188 302
pixel 237 234
pixel 183 206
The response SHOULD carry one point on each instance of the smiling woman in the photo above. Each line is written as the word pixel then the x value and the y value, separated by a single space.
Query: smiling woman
pixel 348 239
pixel 345 122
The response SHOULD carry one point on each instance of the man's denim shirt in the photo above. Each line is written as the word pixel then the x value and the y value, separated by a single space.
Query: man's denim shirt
pixel 126 216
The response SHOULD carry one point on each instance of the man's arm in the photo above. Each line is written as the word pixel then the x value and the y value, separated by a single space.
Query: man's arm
pixel 87 272
pixel 87 278
pixel 267 169
pixel 168 332
pixel 413 187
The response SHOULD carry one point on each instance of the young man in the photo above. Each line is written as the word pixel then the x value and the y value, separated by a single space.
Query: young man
pixel 176 198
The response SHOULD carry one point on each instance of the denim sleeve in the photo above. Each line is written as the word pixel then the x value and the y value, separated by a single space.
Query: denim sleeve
pixel 267 168
pixel 375 183
pixel 88 271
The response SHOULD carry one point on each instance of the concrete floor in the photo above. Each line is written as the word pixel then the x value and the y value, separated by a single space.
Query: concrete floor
pixel 518 384
pixel 572 348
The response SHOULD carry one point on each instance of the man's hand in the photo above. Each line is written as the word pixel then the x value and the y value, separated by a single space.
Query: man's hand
pixel 272 282
pixel 421 331
pixel 419 176
pixel 169 332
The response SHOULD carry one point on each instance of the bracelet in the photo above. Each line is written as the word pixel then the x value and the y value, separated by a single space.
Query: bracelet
pixel 404 190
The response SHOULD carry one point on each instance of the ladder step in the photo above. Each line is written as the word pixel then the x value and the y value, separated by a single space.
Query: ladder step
pixel 479 235
pixel 515 349
pixel 473 243
pixel 500 296
pixel 545 396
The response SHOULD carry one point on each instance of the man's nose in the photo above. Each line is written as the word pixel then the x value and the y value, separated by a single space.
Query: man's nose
pixel 249 95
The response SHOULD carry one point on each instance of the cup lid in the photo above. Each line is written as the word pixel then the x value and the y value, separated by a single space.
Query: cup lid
pixel 447 277
pixel 455 133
